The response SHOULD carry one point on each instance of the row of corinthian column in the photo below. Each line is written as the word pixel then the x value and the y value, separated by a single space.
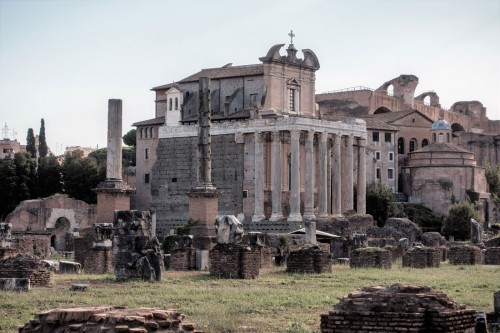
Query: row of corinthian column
pixel 342 176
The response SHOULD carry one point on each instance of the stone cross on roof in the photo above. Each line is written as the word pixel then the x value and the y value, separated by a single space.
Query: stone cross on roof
pixel 291 34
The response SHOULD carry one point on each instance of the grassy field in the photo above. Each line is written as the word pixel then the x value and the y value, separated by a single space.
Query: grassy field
pixel 274 302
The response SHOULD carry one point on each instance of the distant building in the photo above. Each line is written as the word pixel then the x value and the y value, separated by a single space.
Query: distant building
pixel 85 150
pixel 9 147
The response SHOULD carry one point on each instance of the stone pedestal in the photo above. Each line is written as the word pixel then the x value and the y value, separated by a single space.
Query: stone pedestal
pixel 99 260
pixel 112 195
pixel 203 208
pixel 234 261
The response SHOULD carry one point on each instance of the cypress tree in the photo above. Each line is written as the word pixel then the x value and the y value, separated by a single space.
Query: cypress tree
pixel 30 143
pixel 42 143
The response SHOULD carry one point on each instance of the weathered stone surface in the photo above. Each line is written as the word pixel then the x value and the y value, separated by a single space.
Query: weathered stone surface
pixel 464 255
pixel 422 257
pixel 229 230
pixel 108 319
pixel 475 232
pixel 397 228
pixel 14 284
pixel 69 267
pixel 25 266
pixel 433 239
pixel 398 308
pixel 370 257
pixel 492 256
pixel 493 242
pixel 309 260
pixel 234 261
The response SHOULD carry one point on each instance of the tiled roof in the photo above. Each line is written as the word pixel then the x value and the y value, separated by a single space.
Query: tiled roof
pixel 220 116
pixel 371 123
pixel 442 147
pixel 166 86
pixel 225 72
pixel 154 121
pixel 389 117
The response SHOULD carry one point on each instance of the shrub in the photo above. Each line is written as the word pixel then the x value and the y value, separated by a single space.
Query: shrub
pixel 457 223
pixel 169 243
pixel 423 217
pixel 379 203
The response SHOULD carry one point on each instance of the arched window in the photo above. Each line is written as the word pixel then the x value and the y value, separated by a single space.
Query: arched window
pixel 425 142
pixel 151 132
pixel 142 132
pixel 448 137
pixel 434 137
pixel 413 145
pixel 401 146
pixel 441 137
pixel 176 103
pixel 169 104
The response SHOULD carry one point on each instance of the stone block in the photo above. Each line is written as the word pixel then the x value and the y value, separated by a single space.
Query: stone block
pixel 202 260
pixel 370 257
pixel 422 257
pixel 464 255
pixel 14 284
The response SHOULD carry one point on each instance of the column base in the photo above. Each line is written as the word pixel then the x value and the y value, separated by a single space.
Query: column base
pixel 309 216
pixel 295 217
pixel 323 216
pixel 275 217
pixel 258 218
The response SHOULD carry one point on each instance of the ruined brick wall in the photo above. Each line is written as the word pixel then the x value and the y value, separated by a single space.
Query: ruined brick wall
pixel 108 319
pixel 183 259
pixel 370 258
pixel 464 255
pixel 234 261
pixel 266 256
pixel 422 257
pixel 175 174
pixel 25 266
pixel 37 244
pixel 444 253
pixel 7 253
pixel 98 260
pixel 492 256
pixel 309 261
pixel 398 308
pixel 345 226
pixel 82 246
pixel 396 251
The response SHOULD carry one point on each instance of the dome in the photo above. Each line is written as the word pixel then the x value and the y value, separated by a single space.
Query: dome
pixel 441 124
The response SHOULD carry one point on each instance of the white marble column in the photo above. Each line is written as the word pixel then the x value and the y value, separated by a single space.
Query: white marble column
pixel 348 174
pixel 336 174
pixel 295 181
pixel 323 176
pixel 259 180
pixel 309 177
pixel 276 176
pixel 114 152
pixel 361 187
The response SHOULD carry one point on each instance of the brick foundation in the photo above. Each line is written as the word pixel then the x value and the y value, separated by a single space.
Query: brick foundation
pixel 82 246
pixel 492 256
pixel 37 244
pixel 422 257
pixel 99 260
pixel 311 260
pixel 25 266
pixel 108 319
pixel 370 257
pixel 183 259
pixel 234 261
pixel 464 255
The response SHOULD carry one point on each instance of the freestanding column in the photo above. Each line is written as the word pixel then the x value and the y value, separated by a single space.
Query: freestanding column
pixel 295 181
pixel 336 172
pixel 348 174
pixel 309 177
pixel 322 186
pixel 361 189
pixel 114 154
pixel 204 140
pixel 259 180
pixel 276 176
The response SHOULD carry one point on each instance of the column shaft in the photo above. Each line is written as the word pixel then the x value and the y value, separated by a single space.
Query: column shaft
pixel 323 177
pixel 336 174
pixel 276 176
pixel 309 177
pixel 348 174
pixel 295 181
pixel 259 180
pixel 361 187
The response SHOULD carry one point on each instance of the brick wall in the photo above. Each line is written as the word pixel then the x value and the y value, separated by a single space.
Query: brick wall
pixel 234 261
pixel 35 244
pixel 492 256
pixel 183 259
pixel 310 260
pixel 98 260
pixel 82 247
pixel 464 255
pixel 370 258
pixel 7 253
pixel 25 266
pixel 422 257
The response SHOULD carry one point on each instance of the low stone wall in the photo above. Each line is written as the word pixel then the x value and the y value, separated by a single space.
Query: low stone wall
pixel 37 244
pixel 422 257
pixel 370 257
pixel 99 260
pixel 464 255
pixel 234 261
pixel 25 266
pixel 183 259
pixel 396 251
pixel 398 308
pixel 108 319
pixel 444 253
pixel 311 260
pixel 492 256
pixel 14 284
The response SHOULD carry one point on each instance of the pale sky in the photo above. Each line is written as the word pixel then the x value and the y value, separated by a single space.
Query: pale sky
pixel 62 60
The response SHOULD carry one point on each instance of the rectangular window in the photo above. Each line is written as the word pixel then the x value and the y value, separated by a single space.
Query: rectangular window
pixel 388 137
pixel 378 173
pixel 391 157
pixel 146 153
pixel 390 173
pixel 146 178
pixel 253 100
pixel 292 100
pixel 375 136
pixel 377 155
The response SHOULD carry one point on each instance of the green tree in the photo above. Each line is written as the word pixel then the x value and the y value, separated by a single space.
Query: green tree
pixel 129 138
pixel 8 180
pixel 42 142
pixel 31 143
pixel 457 223
pixel 49 177
pixel 80 176
pixel 424 217
pixel 25 177
pixel 379 202
pixel 493 179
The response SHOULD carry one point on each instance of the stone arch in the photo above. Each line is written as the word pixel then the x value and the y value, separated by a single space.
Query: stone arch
pixel 61 229
pixel 432 97
pixel 382 109
pixel 456 127
pixel 425 142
